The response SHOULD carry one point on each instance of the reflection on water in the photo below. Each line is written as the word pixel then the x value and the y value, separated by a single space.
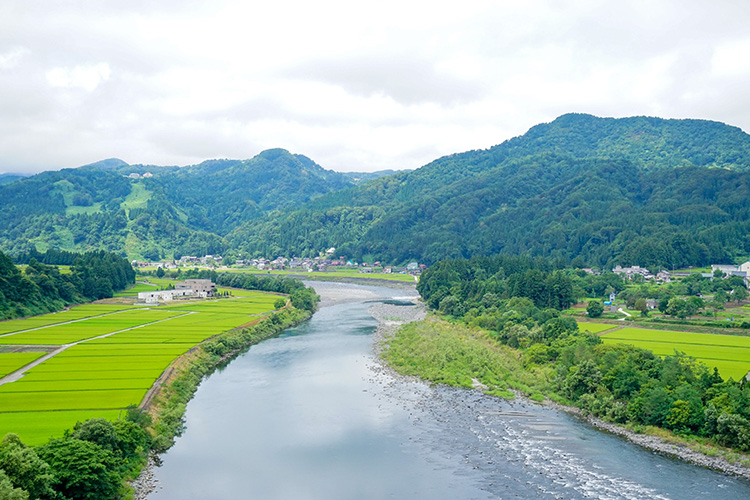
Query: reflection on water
pixel 311 415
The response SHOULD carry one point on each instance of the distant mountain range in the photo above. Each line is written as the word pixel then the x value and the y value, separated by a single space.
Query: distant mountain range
pixel 594 191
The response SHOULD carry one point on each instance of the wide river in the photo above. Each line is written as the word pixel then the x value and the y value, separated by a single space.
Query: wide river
pixel 312 415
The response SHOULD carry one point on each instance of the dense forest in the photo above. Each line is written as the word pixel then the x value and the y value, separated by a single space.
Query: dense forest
pixel 173 212
pixel 585 190
pixel 642 191
pixel 43 288
pixel 518 301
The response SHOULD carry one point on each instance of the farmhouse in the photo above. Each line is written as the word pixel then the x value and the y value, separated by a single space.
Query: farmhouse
pixel 199 288
pixel 163 295
pixel 187 288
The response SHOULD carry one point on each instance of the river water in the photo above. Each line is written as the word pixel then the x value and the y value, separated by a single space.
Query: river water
pixel 311 414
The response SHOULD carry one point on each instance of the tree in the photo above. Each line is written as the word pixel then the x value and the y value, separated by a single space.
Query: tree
pixel 594 309
pixel 740 294
pixel 8 492
pixel 82 470
pixel 24 468
pixel 159 272
pixel 642 305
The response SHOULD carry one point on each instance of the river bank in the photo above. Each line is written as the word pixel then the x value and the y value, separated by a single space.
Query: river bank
pixel 391 318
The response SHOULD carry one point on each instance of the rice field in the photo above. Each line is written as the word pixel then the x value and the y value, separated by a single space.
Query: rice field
pixel 67 333
pixel 594 327
pixel 12 361
pixel 74 314
pixel 100 376
pixel 730 354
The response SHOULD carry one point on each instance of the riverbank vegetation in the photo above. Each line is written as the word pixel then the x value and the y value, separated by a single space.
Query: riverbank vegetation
pixel 499 313
pixel 43 288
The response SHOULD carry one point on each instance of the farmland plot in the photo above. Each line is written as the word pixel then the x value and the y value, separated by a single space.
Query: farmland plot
pixel 730 354
pixel 102 376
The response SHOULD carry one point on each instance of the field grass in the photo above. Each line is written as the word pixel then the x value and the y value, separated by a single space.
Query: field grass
pixel 730 354
pixel 101 376
pixel 12 361
pixel 594 327
pixel 35 428
pixel 134 290
pixel 137 198
pixel 247 305
pixel 75 313
pixel 88 328
pixel 69 400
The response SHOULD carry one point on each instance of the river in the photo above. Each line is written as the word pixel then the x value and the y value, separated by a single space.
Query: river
pixel 312 415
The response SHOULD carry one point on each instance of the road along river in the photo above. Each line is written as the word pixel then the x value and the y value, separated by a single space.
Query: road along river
pixel 311 414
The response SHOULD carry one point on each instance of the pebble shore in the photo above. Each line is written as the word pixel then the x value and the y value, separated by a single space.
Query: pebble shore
pixel 391 317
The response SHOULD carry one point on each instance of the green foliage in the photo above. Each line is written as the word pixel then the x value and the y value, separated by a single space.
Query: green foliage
pixel 24 468
pixel 43 288
pixel 614 381
pixel 602 191
pixel 82 470
pixel 594 309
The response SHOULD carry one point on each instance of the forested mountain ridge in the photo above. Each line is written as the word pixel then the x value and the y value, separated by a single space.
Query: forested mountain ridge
pixel 182 210
pixel 597 191
pixel 639 190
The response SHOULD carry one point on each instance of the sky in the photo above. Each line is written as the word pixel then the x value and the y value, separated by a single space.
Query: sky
pixel 355 86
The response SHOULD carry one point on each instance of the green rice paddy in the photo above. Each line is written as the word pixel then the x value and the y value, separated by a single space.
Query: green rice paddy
pixel 102 376
pixel 594 327
pixel 12 361
pixel 730 354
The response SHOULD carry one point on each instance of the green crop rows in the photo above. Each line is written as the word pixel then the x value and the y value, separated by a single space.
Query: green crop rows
pixel 12 361
pixel 730 354
pixel 102 376
pixel 76 313
pixel 87 328
pixel 594 327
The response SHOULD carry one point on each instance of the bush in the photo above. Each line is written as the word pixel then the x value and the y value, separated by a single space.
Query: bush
pixel 594 309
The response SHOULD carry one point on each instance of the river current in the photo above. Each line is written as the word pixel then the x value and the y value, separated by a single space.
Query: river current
pixel 311 414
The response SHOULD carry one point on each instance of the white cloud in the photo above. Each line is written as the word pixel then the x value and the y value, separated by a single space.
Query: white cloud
pixel 84 77
pixel 353 86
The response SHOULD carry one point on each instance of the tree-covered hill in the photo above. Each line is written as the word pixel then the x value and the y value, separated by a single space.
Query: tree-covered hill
pixel 637 190
pixel 167 211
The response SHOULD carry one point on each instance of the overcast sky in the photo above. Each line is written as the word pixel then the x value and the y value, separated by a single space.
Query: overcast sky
pixel 356 86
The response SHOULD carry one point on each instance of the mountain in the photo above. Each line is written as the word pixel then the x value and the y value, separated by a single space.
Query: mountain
pixel 8 178
pixel 146 211
pixel 595 191
pixel 639 190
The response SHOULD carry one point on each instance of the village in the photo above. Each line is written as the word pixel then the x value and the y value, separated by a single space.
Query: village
pixel 326 262
pixel 638 273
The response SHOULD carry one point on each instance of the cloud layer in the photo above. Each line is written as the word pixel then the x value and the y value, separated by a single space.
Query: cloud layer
pixel 355 87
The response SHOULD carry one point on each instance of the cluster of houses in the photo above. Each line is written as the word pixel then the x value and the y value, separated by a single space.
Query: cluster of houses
pixel 136 175
pixel 322 263
pixel 742 270
pixel 630 272
pixel 188 289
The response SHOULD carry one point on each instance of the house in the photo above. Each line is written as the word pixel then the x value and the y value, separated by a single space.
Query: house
pixel 200 288
pixel 163 295
pixel 147 175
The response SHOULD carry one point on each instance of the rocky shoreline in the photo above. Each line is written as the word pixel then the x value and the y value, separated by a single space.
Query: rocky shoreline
pixel 390 318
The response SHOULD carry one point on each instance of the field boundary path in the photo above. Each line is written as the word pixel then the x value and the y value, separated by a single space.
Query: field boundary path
pixel 18 374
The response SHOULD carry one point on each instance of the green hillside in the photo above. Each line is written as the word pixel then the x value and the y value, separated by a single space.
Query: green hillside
pixel 171 211
pixel 638 190
pixel 596 191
